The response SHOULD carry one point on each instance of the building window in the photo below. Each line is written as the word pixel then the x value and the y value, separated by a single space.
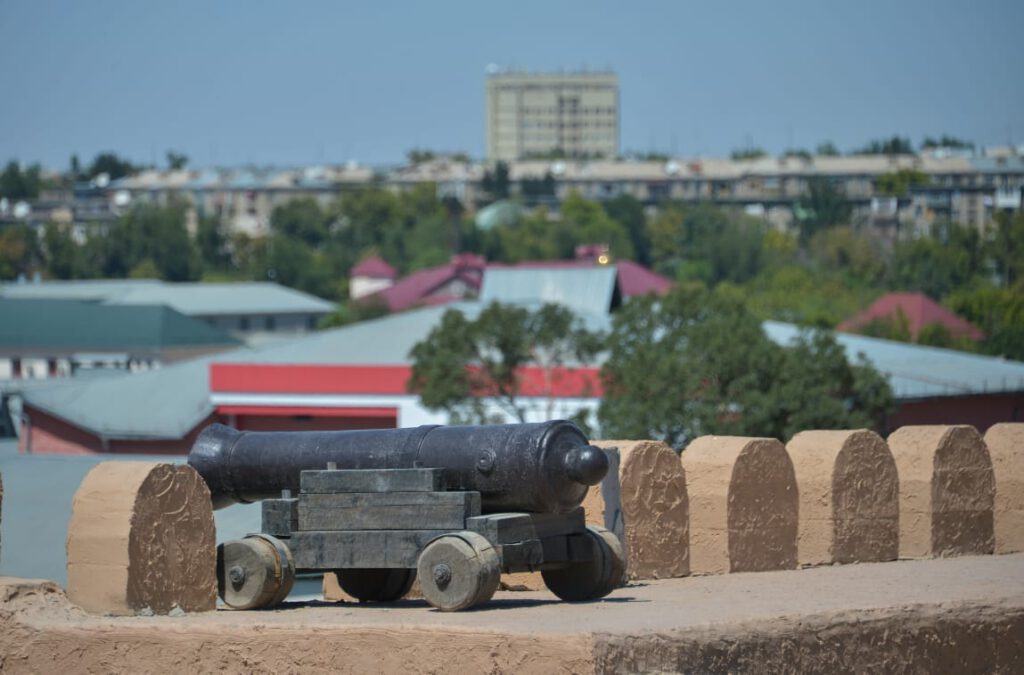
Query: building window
pixel 243 323
pixel 269 323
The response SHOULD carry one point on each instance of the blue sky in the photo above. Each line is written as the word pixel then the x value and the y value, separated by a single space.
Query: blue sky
pixel 303 82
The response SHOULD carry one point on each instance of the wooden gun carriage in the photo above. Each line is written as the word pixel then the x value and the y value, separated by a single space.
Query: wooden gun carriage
pixel 454 507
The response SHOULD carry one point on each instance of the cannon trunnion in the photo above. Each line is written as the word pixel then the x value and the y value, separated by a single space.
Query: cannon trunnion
pixel 380 528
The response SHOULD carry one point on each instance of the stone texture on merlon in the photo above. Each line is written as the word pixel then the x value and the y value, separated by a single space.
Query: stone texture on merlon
pixel 743 505
pixel 946 490
pixel 142 536
pixel 653 505
pixel 849 497
pixel 1006 446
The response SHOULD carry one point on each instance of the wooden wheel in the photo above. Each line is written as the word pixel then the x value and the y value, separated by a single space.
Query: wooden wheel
pixel 590 579
pixel 457 571
pixel 255 572
pixel 376 585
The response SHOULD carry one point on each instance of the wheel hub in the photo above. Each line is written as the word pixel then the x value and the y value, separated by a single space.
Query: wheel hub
pixel 442 576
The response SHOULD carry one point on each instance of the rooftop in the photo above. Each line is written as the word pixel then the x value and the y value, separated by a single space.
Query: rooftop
pixel 919 310
pixel 43 325
pixel 190 298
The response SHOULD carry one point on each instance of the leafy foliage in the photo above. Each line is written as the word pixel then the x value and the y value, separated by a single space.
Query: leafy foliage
pixel 470 367
pixel 897 145
pixel 16 183
pixel 695 363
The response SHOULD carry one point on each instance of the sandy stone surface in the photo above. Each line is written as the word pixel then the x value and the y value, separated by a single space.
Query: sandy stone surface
pixel 951 615
pixel 1006 447
pixel 655 509
pixel 142 536
pixel 947 490
pixel 849 497
pixel 743 505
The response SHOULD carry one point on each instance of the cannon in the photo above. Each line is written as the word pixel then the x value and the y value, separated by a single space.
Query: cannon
pixel 454 506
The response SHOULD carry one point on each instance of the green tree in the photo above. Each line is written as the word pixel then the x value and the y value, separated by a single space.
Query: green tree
pixel 18 184
pixel 213 242
pixel 707 243
pixel 176 161
pixel 301 219
pixel 470 368
pixel 827 149
pixel 496 183
pixel 999 312
pixel 952 257
pixel 1007 248
pixel 629 212
pixel 749 152
pixel 588 223
pixel 695 363
pixel 109 163
pixel 899 183
pixel 19 251
pixel 820 207
pixel 946 141
pixel 897 145
pixel 64 258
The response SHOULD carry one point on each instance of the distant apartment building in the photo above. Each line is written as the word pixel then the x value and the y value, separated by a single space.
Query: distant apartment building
pixel 543 114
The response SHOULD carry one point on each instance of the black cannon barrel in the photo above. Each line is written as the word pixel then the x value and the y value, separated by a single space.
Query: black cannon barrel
pixel 540 468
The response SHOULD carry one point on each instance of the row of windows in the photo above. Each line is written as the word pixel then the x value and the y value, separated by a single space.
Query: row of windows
pixel 571 110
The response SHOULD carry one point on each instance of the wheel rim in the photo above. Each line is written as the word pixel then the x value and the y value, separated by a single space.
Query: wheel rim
pixel 255 572
pixel 590 579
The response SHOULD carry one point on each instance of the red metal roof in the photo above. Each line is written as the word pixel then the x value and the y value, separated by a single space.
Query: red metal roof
pixel 920 311
pixel 426 287
pixel 374 268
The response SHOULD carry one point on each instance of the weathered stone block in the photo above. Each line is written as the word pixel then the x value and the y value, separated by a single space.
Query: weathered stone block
pixel 849 497
pixel 142 535
pixel 743 505
pixel 1006 447
pixel 946 490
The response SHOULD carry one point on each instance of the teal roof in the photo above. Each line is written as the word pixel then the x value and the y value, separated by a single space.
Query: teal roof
pixel 191 298
pixel 38 325
pixel 588 290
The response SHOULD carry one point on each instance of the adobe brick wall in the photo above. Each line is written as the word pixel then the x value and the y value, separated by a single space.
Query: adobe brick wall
pixel 743 505
pixel 849 497
pixel 947 489
pixel 654 507
pixel 142 536
pixel 1006 447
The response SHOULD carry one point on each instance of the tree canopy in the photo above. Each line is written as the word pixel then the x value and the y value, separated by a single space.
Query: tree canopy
pixel 696 362
pixel 472 368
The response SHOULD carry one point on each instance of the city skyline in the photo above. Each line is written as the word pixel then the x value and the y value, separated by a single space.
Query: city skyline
pixel 236 83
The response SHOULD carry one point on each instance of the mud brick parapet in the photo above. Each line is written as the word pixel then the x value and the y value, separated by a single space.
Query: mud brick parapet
pixel 849 497
pixel 743 504
pixel 654 507
pixel 947 491
pixel 1006 446
pixel 142 536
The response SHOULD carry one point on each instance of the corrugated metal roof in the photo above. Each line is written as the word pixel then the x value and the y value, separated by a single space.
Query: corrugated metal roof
pixel 41 324
pixel 384 341
pixel 166 403
pixel 38 490
pixel 193 299
pixel 915 371
pixel 583 290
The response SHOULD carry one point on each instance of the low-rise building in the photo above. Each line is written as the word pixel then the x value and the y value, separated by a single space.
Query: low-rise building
pixel 252 311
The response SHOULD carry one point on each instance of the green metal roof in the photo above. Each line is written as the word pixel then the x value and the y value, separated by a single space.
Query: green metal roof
pixel 39 325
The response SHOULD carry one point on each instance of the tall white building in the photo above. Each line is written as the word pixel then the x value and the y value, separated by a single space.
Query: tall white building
pixel 575 115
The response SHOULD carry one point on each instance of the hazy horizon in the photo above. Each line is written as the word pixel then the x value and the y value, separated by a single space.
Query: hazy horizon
pixel 235 83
